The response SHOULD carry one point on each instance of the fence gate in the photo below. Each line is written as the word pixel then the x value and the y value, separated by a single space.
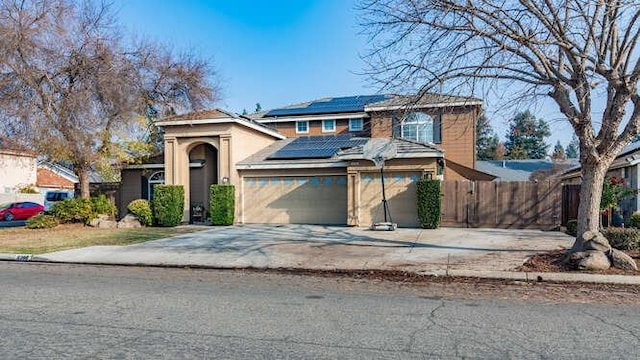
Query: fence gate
pixel 506 204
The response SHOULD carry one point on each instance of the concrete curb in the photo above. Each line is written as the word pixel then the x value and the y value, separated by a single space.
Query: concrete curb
pixel 497 275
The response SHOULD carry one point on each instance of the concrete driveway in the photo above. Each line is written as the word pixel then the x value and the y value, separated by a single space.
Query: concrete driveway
pixel 329 248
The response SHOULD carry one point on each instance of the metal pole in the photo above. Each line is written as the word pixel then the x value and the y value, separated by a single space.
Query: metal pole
pixel 384 196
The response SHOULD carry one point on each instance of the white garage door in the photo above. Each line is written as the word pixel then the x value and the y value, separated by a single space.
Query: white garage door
pixel 400 191
pixel 295 200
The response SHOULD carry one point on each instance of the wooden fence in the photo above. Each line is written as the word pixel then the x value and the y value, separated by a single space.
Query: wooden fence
pixel 509 205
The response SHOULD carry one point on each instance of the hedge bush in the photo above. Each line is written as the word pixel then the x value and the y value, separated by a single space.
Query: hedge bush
pixel 428 194
pixel 42 222
pixel 141 209
pixel 572 227
pixel 168 204
pixel 222 204
pixel 634 220
pixel 622 238
pixel 103 206
pixel 73 210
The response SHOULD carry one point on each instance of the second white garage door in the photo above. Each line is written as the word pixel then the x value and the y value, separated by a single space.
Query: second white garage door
pixel 400 191
pixel 295 200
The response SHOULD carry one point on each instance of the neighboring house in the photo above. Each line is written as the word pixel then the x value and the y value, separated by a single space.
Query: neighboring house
pixel 523 170
pixel 309 163
pixel 625 166
pixel 17 167
pixel 55 177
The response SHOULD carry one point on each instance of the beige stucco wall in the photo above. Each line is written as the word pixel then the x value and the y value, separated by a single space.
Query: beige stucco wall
pixel 16 170
pixel 233 142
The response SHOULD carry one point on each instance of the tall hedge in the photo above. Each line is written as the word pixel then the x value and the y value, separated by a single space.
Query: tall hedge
pixel 222 200
pixel 428 194
pixel 168 204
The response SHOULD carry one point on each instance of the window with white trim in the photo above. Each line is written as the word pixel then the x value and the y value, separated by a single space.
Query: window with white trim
pixel 157 178
pixel 421 127
pixel 355 124
pixel 302 127
pixel 328 125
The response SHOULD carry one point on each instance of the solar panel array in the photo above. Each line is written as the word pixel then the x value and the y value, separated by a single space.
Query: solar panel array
pixel 316 147
pixel 330 106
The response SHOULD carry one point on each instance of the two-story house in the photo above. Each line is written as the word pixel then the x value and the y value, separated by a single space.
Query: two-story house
pixel 311 162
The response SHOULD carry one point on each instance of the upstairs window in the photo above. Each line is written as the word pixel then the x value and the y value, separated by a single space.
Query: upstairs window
pixel 328 125
pixel 355 124
pixel 421 127
pixel 302 127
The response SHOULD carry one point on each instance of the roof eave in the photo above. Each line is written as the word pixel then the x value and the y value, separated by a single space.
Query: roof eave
pixel 279 166
pixel 375 108
pixel 242 122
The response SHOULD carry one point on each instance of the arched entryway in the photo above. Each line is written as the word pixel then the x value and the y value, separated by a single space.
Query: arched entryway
pixel 203 172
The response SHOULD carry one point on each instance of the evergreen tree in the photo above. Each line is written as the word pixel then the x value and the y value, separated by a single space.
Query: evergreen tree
pixel 526 136
pixel 258 107
pixel 573 149
pixel 558 152
pixel 486 139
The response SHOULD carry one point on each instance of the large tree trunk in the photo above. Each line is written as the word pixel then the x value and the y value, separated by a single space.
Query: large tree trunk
pixel 83 177
pixel 593 175
pixel 591 250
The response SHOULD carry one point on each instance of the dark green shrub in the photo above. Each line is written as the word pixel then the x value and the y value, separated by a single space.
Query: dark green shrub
pixel 428 194
pixel 634 220
pixel 622 238
pixel 141 209
pixel 101 205
pixel 222 200
pixel 168 204
pixel 572 227
pixel 73 210
pixel 42 222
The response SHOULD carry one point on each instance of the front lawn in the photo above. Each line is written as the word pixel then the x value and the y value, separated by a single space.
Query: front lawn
pixel 70 236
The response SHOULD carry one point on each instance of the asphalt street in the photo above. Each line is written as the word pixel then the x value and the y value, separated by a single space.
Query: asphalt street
pixel 81 311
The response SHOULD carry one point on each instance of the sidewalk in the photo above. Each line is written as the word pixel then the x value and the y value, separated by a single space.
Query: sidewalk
pixel 485 253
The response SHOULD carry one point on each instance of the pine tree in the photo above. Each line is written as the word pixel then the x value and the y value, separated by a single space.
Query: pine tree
pixel 573 149
pixel 486 139
pixel 526 136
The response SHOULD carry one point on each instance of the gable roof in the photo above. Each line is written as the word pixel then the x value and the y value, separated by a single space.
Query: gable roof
pixel 629 156
pixel 217 116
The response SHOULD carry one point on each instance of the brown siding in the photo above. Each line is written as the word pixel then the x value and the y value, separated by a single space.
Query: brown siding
pixel 381 124
pixel 130 189
pixel 459 135
pixel 288 129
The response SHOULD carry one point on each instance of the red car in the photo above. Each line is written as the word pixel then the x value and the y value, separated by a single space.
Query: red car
pixel 20 210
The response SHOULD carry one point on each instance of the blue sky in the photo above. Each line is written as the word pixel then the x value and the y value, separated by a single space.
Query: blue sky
pixel 277 52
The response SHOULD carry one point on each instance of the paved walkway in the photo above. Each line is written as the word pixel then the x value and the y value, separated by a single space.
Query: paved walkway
pixel 493 253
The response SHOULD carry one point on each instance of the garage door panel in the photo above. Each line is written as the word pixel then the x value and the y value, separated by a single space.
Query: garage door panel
pixel 400 189
pixel 296 200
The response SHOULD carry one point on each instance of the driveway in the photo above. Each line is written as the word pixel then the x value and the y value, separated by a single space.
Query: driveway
pixel 330 248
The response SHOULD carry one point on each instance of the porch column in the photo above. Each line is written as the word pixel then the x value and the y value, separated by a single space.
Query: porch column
pixel 224 155
pixel 353 197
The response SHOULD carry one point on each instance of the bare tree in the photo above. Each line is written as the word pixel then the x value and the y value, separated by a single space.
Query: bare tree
pixel 72 88
pixel 572 51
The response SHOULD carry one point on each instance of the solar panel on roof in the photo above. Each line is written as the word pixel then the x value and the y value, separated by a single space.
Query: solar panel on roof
pixel 329 106
pixel 316 147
